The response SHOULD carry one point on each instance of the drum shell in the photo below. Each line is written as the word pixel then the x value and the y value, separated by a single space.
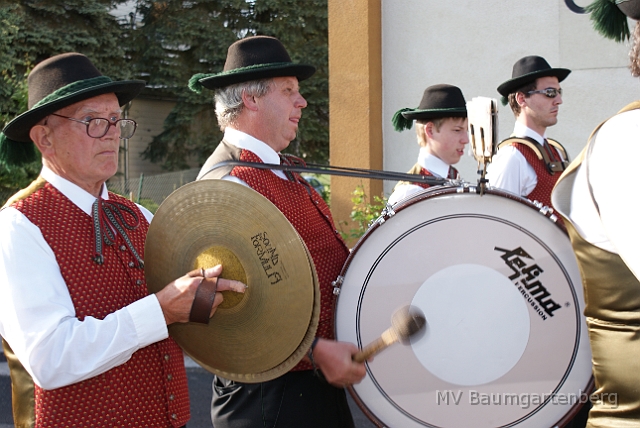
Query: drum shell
pixel 440 231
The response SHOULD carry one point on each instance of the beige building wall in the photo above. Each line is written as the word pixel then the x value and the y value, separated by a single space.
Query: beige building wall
pixel 150 115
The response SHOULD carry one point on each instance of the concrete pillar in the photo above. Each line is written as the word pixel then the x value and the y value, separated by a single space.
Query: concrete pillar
pixel 355 98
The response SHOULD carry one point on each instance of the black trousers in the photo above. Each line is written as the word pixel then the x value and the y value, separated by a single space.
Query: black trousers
pixel 297 399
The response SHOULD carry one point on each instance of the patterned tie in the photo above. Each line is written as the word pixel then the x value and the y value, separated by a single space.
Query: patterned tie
pixel 109 218
pixel 284 160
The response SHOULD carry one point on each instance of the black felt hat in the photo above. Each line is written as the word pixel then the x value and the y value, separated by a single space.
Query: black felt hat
pixel 437 101
pixel 609 17
pixel 53 84
pixel 527 70
pixel 252 58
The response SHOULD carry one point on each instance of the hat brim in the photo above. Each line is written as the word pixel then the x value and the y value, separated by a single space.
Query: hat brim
pixel 245 74
pixel 511 85
pixel 434 113
pixel 18 129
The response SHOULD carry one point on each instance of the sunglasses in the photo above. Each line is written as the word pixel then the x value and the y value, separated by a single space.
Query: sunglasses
pixel 549 92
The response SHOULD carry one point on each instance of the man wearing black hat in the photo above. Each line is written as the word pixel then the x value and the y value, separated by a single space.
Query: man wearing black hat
pixel 604 230
pixel 87 345
pixel 441 128
pixel 258 106
pixel 528 164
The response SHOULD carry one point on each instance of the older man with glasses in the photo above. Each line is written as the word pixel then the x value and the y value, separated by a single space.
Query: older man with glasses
pixel 527 163
pixel 86 343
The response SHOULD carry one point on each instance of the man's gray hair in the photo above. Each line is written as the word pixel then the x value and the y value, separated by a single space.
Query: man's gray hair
pixel 228 100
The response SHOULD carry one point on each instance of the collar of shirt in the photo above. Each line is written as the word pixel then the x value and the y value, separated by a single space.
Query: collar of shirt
pixel 433 164
pixel 80 197
pixel 261 149
pixel 521 130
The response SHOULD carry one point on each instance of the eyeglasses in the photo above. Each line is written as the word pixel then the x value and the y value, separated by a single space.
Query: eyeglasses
pixel 549 92
pixel 98 127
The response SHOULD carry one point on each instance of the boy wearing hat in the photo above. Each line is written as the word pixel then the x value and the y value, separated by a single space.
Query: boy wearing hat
pixel 527 163
pixel 441 129
pixel 258 106
pixel 604 230
pixel 87 345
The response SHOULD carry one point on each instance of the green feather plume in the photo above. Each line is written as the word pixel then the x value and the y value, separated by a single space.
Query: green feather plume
pixel 194 82
pixel 609 20
pixel 400 123
pixel 15 153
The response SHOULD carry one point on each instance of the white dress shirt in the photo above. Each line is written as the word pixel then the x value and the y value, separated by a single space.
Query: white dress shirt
pixel 431 163
pixel 509 170
pixel 612 169
pixel 37 316
pixel 261 149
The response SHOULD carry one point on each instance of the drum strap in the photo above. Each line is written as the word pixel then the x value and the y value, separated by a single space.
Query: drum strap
pixel 553 164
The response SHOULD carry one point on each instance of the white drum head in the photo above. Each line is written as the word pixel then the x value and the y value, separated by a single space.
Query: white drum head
pixel 506 343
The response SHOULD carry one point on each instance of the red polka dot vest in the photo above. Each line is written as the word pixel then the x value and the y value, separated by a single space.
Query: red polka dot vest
pixel 546 180
pixel 149 390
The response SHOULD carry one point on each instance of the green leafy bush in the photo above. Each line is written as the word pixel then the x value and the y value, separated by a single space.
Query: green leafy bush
pixel 363 213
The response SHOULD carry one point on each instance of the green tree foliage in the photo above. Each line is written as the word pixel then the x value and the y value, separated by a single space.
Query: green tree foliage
pixel 178 39
pixel 175 40
pixel 165 43
pixel 35 30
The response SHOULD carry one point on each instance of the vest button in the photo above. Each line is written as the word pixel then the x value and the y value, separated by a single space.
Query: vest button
pixel 122 248
pixel 174 416
pixel 166 357
pixel 131 264
pixel 169 376
pixel 139 282
pixel 172 397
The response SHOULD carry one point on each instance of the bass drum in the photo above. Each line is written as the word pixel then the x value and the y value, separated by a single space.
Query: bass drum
pixel 505 342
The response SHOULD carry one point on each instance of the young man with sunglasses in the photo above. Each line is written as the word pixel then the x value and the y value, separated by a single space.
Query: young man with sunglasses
pixel 527 163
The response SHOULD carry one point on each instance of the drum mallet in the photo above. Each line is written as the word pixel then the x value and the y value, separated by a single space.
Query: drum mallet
pixel 406 322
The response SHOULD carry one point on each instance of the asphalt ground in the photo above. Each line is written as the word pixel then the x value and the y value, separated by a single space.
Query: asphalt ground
pixel 199 392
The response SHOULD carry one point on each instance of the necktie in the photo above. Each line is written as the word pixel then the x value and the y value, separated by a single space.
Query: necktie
pixel 109 218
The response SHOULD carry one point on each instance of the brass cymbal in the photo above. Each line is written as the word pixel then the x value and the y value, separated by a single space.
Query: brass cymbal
pixel 255 336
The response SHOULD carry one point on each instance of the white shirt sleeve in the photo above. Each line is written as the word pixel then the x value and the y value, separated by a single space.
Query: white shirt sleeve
pixel 403 191
pixel 612 165
pixel 38 320
pixel 510 171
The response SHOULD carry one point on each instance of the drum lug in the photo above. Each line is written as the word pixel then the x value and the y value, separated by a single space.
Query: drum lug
pixel 337 284
pixel 386 214
pixel 545 211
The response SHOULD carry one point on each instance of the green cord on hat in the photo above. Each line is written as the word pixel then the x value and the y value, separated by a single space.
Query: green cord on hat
pixel 400 123
pixel 609 20
pixel 194 82
pixel 72 88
